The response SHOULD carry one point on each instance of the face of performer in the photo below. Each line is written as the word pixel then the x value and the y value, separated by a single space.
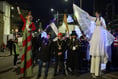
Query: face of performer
pixel 29 18
pixel 59 37
pixel 74 36
pixel 97 14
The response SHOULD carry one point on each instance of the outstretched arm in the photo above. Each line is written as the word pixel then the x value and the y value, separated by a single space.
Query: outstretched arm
pixel 19 12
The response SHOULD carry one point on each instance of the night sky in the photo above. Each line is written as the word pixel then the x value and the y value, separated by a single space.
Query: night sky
pixel 41 8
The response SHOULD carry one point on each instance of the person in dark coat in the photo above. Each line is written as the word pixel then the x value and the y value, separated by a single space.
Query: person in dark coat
pixel 15 51
pixel 44 55
pixel 73 53
pixel 59 53
pixel 83 52
pixel 68 64
pixel 10 45
pixel 35 48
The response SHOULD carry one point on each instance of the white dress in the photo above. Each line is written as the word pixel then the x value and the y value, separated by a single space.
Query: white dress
pixel 98 40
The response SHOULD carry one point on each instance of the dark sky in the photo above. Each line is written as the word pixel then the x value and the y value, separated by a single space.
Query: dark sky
pixel 41 8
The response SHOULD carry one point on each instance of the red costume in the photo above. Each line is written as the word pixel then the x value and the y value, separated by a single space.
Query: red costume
pixel 32 26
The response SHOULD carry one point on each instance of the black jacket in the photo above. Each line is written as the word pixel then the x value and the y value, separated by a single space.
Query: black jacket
pixel 45 52
pixel 72 44
pixel 57 50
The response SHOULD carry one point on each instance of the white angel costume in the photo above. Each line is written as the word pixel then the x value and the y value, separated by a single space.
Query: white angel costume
pixel 100 38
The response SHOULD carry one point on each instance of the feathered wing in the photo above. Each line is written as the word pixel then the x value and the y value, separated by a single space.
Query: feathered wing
pixel 83 20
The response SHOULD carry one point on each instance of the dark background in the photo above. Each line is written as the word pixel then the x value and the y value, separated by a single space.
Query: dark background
pixel 41 8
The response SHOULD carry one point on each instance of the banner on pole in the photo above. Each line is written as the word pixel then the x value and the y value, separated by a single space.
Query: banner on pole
pixel 54 28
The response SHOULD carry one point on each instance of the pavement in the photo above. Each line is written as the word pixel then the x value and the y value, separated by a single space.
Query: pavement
pixel 7 71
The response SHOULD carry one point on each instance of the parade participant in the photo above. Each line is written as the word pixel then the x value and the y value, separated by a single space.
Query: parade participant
pixel 9 45
pixel 59 49
pixel 26 60
pixel 68 54
pixel 115 51
pixel 99 40
pixel 73 53
pixel 45 54
pixel 83 52
pixel 98 49
pixel 15 52
pixel 35 49
pixel 2 47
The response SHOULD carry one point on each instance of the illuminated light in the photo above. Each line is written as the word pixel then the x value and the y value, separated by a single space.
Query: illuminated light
pixel 12 30
pixel 12 8
pixel 38 19
pixel 16 30
pixel 66 0
pixel 52 9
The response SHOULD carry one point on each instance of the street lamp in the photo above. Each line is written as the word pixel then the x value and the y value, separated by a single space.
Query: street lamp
pixel 52 10
pixel 12 8
pixel 66 0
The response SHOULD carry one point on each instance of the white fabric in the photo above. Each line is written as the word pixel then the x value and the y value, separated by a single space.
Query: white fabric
pixel 27 26
pixel 82 19
pixel 85 24
pixel 78 31
pixel 54 28
pixel 62 28
pixel 98 42
pixel 100 39
pixel 109 53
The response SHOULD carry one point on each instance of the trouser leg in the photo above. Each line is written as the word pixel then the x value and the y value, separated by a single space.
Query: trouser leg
pixel 55 68
pixel 46 69
pixel 62 67
pixel 40 67
pixel 15 60
pixel 10 51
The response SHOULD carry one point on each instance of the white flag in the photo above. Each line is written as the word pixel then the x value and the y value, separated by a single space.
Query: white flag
pixel 54 28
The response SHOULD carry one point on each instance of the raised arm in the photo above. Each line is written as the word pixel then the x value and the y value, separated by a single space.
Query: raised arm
pixel 18 9
pixel 19 12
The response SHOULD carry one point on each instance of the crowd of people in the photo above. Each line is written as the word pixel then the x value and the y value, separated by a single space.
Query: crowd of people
pixel 70 54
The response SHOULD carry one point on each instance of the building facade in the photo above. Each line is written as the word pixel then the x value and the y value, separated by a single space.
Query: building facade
pixel 4 21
